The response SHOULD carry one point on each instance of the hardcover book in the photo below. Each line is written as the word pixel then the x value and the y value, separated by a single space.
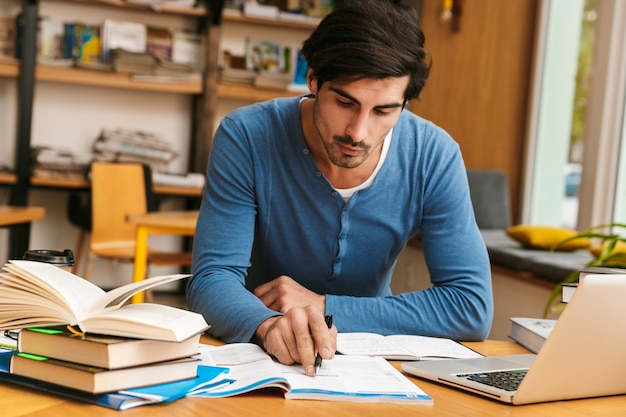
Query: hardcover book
pixel 115 400
pixel 111 352
pixel 99 380
pixel 36 294
pixel 530 332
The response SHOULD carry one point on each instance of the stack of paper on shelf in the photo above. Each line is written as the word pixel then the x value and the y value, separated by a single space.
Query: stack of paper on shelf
pixel 48 162
pixel 126 145
pixel 153 343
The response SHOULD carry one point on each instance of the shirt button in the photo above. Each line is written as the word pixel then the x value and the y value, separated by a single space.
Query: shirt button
pixel 305 151
pixel 318 174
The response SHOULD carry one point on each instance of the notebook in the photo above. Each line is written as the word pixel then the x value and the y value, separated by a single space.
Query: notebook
pixel 583 356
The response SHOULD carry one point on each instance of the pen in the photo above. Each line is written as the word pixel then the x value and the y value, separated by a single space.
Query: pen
pixel 318 358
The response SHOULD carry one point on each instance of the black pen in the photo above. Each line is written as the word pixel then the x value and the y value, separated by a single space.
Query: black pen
pixel 318 358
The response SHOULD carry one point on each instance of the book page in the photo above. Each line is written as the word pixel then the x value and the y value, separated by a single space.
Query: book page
pixel 371 344
pixel 146 321
pixel 402 347
pixel 76 293
pixel 249 367
pixel 353 378
pixel 116 297
pixel 427 348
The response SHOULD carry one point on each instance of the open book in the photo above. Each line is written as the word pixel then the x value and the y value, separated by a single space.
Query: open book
pixel 36 294
pixel 249 368
pixel 402 347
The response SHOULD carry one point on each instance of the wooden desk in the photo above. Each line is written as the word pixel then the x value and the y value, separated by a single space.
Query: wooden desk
pixel 19 402
pixel 10 215
pixel 181 223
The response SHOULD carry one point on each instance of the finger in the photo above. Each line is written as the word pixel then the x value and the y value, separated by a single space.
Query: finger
pixel 303 338
pixel 280 342
pixel 325 338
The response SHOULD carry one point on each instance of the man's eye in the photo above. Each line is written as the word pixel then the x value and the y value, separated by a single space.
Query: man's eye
pixel 344 103
pixel 382 113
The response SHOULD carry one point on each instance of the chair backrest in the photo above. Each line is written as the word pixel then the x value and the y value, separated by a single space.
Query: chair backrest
pixel 117 190
pixel 489 191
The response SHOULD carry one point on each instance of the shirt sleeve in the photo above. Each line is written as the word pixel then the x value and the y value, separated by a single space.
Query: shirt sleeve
pixel 223 241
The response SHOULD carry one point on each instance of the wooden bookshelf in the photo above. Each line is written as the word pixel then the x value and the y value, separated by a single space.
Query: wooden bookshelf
pixel 229 16
pixel 185 11
pixel 251 93
pixel 79 76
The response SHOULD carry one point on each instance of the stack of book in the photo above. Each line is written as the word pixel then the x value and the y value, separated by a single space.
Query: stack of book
pixel 75 335
pixel 98 363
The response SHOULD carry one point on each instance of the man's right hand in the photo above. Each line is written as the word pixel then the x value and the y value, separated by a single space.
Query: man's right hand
pixel 297 336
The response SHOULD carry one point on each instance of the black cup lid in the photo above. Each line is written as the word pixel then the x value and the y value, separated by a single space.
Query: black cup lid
pixel 55 257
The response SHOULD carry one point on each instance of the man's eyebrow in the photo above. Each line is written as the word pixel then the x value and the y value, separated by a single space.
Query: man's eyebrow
pixel 349 97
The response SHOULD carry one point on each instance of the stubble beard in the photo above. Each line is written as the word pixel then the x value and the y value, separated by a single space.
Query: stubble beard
pixel 335 156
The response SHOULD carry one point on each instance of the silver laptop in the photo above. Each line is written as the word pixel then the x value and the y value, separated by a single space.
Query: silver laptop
pixel 584 356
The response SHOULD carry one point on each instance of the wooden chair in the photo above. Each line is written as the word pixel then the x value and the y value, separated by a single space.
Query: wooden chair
pixel 117 190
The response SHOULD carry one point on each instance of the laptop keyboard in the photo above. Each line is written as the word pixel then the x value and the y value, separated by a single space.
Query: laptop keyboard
pixel 506 380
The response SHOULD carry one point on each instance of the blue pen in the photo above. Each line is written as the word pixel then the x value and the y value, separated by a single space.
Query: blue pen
pixel 318 358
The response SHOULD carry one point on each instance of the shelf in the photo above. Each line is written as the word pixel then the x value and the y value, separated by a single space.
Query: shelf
pixel 285 23
pixel 9 69
pixel 101 79
pixel 185 11
pixel 250 93
pixel 7 178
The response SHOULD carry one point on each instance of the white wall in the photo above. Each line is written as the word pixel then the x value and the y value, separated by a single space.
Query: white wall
pixel 71 116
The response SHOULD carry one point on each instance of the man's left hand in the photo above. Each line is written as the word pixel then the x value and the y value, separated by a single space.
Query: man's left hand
pixel 283 293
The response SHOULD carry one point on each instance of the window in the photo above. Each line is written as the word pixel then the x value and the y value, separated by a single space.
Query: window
pixel 573 168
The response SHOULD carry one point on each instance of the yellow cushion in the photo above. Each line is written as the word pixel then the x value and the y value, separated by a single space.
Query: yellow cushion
pixel 619 249
pixel 546 237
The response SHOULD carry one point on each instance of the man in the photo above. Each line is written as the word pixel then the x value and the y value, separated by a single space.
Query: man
pixel 310 200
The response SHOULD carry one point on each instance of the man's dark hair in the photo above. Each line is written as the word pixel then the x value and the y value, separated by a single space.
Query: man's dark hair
pixel 369 39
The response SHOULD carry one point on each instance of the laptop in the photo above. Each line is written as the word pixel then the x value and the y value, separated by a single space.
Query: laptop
pixel 584 356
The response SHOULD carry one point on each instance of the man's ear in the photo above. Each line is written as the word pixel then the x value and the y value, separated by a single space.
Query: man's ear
pixel 311 81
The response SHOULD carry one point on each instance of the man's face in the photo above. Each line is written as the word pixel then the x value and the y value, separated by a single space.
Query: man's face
pixel 352 119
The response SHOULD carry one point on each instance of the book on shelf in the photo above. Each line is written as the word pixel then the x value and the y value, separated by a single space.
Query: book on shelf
pixel 111 352
pixel 531 332
pixel 125 35
pixel 188 48
pixel 36 294
pixel 89 44
pixel 50 34
pixel 276 80
pixel 159 41
pixel 344 378
pixel 7 37
pixel 100 380
pixel 402 347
